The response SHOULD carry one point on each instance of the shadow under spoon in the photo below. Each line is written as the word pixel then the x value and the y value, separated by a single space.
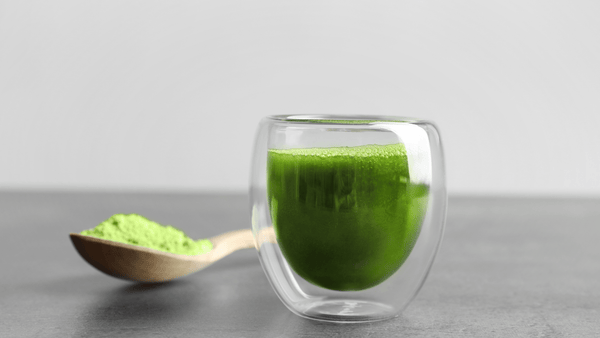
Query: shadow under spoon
pixel 141 264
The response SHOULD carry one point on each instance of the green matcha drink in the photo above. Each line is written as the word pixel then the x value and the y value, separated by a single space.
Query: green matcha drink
pixel 346 218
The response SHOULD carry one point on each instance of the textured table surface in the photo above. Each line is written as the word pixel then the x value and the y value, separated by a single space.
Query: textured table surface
pixel 508 267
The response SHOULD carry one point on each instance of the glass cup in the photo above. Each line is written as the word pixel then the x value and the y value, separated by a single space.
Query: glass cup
pixel 347 212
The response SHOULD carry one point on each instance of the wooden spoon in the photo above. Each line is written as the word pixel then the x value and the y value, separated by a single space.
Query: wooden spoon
pixel 140 264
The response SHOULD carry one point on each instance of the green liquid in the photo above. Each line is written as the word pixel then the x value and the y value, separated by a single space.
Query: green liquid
pixel 346 218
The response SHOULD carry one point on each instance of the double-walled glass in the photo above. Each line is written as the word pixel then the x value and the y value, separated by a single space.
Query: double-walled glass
pixel 357 207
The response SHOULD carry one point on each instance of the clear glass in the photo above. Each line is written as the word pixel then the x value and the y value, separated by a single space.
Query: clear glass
pixel 357 205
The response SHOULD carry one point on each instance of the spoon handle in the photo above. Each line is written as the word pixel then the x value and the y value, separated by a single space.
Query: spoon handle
pixel 226 243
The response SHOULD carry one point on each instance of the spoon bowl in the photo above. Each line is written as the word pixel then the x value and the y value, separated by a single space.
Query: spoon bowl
pixel 141 264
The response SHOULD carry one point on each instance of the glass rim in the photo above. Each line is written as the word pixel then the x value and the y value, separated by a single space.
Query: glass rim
pixel 344 119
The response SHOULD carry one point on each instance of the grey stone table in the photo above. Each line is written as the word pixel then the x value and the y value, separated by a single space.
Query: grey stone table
pixel 508 267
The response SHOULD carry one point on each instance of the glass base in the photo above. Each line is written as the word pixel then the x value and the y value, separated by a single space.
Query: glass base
pixel 348 311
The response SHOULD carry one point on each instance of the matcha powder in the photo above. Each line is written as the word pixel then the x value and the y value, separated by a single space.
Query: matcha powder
pixel 138 230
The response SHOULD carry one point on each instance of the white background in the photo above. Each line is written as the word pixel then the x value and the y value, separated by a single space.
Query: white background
pixel 166 95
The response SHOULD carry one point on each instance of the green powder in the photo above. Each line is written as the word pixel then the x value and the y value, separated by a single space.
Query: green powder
pixel 138 230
